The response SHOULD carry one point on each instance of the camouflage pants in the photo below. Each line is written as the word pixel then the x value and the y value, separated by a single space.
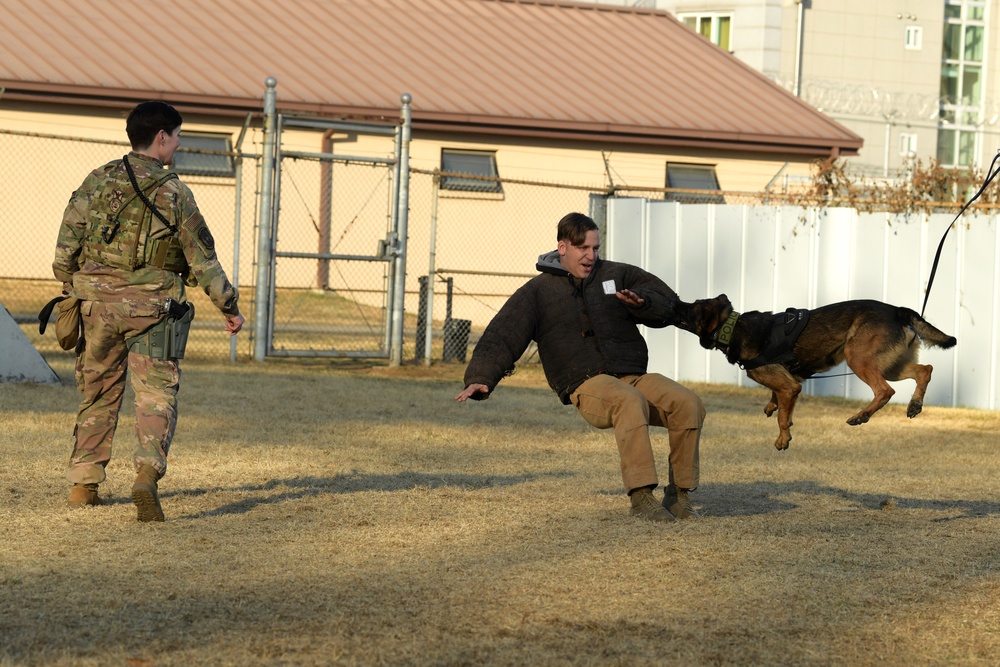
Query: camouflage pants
pixel 101 371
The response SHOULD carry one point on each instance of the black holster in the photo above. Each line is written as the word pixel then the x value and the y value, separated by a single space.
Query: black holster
pixel 167 338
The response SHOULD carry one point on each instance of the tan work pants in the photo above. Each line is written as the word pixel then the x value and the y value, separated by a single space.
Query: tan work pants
pixel 633 403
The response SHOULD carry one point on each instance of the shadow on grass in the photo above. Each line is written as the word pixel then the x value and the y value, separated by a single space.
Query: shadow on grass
pixel 355 482
pixel 771 497
pixel 721 500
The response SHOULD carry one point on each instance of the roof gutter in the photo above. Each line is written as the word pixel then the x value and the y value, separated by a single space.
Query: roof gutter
pixel 739 143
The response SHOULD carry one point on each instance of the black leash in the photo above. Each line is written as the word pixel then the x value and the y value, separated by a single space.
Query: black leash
pixel 990 175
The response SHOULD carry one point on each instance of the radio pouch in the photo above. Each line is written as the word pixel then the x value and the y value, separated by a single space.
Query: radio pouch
pixel 168 338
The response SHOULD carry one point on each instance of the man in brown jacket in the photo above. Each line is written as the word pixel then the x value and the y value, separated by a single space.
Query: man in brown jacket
pixel 584 313
pixel 130 239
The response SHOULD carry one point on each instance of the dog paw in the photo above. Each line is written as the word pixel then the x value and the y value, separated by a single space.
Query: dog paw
pixel 913 409
pixel 858 419
pixel 769 409
pixel 781 444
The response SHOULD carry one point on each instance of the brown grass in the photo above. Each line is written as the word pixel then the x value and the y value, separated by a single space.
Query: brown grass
pixel 322 513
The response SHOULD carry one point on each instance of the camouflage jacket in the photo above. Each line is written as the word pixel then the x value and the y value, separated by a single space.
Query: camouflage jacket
pixel 92 274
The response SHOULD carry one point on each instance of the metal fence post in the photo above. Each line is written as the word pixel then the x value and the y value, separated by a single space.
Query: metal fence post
pixel 264 254
pixel 402 208
pixel 238 215
pixel 429 313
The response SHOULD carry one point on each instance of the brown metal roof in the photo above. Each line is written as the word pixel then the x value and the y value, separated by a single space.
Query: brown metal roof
pixel 515 67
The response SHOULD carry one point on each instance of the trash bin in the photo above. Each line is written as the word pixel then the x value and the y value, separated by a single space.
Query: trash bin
pixel 456 339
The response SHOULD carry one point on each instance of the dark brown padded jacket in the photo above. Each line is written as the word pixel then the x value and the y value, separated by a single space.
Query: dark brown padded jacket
pixel 582 329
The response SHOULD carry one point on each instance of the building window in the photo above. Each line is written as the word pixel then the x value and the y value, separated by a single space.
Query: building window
pixel 713 27
pixel 962 53
pixel 693 177
pixel 480 166
pixel 914 37
pixel 204 154
pixel 907 144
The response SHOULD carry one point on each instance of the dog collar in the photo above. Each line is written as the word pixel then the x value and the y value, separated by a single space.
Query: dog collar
pixel 726 332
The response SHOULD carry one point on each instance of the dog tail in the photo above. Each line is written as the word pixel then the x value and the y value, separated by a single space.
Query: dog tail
pixel 926 331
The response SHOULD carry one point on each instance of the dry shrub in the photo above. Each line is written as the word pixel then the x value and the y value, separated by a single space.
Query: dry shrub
pixel 927 188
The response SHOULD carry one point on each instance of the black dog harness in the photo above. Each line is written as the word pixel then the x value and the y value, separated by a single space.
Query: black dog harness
pixel 785 330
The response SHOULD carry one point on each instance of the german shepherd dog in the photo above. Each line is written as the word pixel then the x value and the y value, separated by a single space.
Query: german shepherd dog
pixel 879 342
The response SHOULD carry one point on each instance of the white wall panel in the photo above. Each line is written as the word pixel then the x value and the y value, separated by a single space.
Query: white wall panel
pixel 773 258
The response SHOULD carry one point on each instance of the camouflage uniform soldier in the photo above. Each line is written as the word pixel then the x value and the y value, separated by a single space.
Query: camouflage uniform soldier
pixel 131 238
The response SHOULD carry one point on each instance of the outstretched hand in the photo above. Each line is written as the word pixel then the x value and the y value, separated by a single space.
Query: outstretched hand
pixel 234 323
pixel 467 393
pixel 630 298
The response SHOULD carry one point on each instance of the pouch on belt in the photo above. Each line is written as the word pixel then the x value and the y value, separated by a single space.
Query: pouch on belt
pixel 168 338
pixel 69 324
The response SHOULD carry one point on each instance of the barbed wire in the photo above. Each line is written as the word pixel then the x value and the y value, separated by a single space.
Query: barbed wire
pixel 838 97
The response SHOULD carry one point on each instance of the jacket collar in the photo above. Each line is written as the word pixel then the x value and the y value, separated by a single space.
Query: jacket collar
pixel 549 263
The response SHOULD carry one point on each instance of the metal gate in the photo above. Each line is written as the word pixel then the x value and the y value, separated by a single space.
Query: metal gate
pixel 336 236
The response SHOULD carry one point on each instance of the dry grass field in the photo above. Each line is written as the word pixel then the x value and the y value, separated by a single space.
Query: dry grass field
pixel 329 514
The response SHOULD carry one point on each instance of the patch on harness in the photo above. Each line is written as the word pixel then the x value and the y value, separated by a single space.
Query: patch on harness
pixel 784 332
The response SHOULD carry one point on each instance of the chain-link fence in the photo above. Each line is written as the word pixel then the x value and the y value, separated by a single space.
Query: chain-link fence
pixel 333 228
pixel 481 245
pixel 41 172
pixel 467 248
pixel 473 249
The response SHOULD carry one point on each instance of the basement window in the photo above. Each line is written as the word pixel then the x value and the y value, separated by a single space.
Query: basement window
pixel 693 177
pixel 204 154
pixel 479 166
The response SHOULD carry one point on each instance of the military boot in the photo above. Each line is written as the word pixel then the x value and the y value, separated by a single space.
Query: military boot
pixel 678 502
pixel 82 495
pixel 147 503
pixel 644 505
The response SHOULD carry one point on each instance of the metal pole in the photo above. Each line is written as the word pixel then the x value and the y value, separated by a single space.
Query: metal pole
pixel 402 210
pixel 325 212
pixel 261 313
pixel 429 316
pixel 238 214
pixel 888 136
pixel 390 240
pixel 799 29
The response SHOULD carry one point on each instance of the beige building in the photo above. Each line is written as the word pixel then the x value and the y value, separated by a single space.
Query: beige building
pixel 914 78
pixel 560 92
pixel 606 99
pixel 626 86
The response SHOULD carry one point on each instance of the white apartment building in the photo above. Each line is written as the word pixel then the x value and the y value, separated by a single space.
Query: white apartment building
pixel 914 78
